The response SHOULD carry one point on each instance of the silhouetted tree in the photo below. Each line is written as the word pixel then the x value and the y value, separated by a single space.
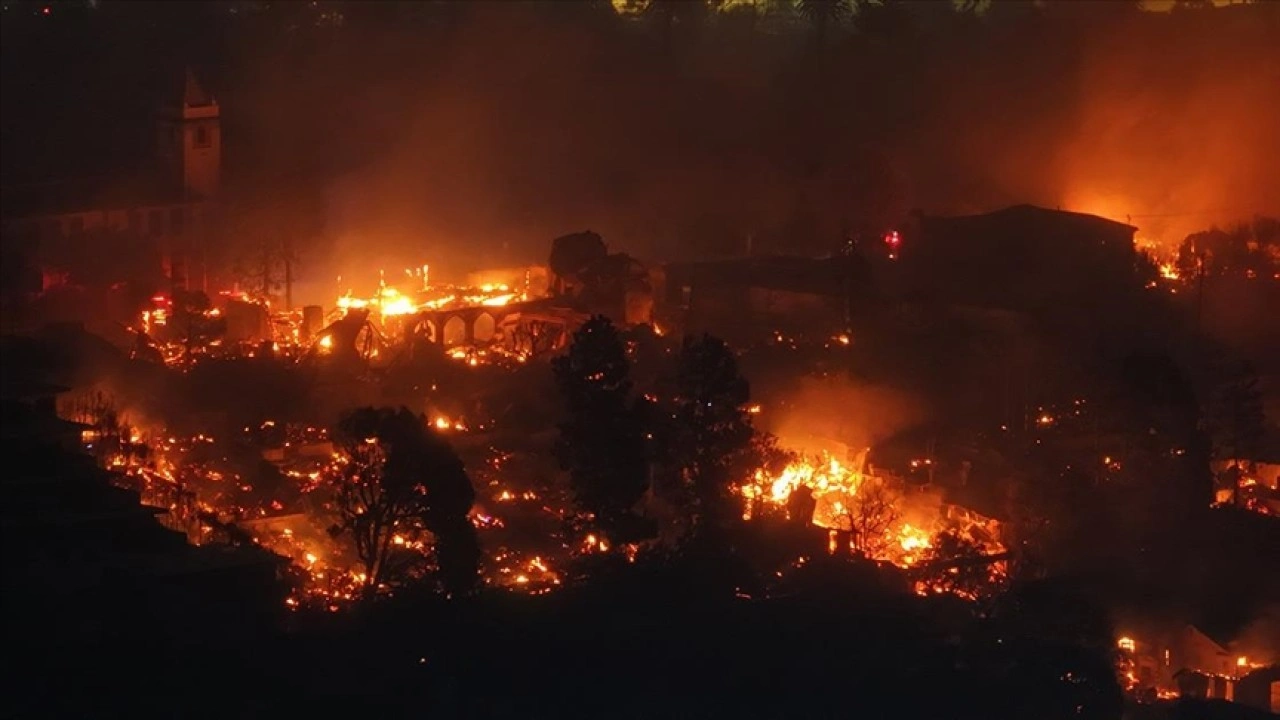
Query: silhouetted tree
pixel 1157 409
pixel 823 15
pixel 883 17
pixel 1249 248
pixel 712 430
pixel 602 440
pixel 669 14
pixel 400 480
pixel 1234 414
pixel 869 514
pixel 1050 511
pixel 1059 647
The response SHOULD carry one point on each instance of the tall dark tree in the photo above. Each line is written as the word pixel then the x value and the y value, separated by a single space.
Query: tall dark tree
pixel 668 15
pixel 1058 646
pixel 1234 414
pixel 1157 409
pixel 602 440
pixel 824 15
pixel 712 430
pixel 398 479
pixel 869 515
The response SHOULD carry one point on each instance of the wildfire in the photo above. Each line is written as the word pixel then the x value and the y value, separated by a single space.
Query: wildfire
pixel 913 541
pixel 828 480
pixel 444 424
pixel 210 503
pixel 870 515
pixel 389 301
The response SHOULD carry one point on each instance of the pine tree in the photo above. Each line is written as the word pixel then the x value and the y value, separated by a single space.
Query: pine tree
pixel 602 440
pixel 712 433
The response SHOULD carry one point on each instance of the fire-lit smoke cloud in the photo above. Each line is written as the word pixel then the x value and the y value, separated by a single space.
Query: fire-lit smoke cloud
pixel 1181 138
pixel 1260 639
pixel 1165 120
pixel 474 143
pixel 819 415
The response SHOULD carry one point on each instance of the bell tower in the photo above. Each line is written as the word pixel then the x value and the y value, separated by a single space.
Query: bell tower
pixel 189 141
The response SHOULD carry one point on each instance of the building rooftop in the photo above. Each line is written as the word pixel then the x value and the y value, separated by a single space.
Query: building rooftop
pixel 13 389
pixel 193 93
pixel 86 194
pixel 1027 214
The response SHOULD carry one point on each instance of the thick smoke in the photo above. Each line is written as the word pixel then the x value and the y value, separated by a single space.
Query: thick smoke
pixel 822 415
pixel 529 125
pixel 467 135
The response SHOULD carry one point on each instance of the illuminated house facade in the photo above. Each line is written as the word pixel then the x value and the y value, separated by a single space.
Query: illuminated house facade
pixel 1188 662
pixel 173 203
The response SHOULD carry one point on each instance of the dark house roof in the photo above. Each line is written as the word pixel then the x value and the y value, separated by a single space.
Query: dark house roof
pixel 193 93
pixel 14 388
pixel 1021 258
pixel 57 197
pixel 1081 224
pixel 131 187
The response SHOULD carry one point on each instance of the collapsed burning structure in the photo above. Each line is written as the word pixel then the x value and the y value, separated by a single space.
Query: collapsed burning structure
pixel 509 315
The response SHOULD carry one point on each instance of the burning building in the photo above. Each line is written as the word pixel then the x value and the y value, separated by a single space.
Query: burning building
pixel 1186 661
pixel 1250 484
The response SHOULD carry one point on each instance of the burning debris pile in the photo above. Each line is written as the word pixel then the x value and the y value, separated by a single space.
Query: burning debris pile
pixel 280 486
pixel 286 498
pixel 1247 484
pixel 473 324
pixel 878 518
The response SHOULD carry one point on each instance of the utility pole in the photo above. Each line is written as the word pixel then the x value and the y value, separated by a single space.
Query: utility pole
pixel 288 275
pixel 266 273
pixel 1200 273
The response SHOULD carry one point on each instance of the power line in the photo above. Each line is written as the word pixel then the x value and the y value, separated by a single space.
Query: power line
pixel 1195 212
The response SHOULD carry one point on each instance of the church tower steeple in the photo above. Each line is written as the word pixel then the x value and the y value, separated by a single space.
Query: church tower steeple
pixel 189 140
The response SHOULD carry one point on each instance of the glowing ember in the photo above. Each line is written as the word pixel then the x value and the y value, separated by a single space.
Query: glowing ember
pixel 392 302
